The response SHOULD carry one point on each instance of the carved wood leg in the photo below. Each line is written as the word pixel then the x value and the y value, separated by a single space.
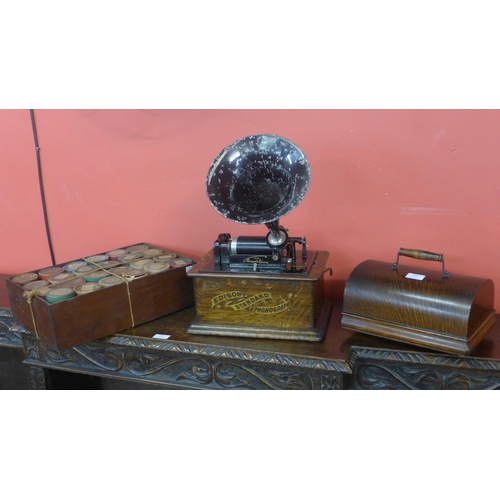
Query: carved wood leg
pixel 36 377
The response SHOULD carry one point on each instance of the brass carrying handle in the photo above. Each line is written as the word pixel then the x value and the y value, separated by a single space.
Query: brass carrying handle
pixel 422 255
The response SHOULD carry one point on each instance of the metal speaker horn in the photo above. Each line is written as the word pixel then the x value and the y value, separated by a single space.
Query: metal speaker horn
pixel 258 179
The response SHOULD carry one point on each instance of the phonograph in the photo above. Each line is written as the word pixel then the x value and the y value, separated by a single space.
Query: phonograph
pixel 268 286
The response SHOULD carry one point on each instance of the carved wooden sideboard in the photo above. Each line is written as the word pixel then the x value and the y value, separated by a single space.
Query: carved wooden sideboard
pixel 195 362
pixel 139 359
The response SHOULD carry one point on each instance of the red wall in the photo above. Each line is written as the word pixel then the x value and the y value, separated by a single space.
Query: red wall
pixel 380 180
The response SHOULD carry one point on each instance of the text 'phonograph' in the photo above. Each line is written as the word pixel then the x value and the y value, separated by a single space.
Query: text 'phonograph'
pixel 268 286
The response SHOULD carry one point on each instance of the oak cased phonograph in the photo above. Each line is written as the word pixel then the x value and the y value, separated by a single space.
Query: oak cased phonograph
pixel 260 286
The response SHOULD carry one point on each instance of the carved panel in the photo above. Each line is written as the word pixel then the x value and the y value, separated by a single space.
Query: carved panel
pixel 416 358
pixel 379 369
pixel 396 376
pixel 180 369
pixel 224 352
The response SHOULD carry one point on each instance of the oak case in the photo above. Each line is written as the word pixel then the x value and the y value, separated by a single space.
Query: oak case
pixel 273 306
pixel 444 311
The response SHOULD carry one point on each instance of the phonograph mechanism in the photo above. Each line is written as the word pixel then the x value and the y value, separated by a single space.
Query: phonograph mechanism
pixel 260 286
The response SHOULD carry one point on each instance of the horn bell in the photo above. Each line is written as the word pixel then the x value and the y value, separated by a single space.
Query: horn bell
pixel 258 179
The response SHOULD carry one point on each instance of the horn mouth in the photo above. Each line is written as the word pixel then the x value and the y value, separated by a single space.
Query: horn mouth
pixel 258 179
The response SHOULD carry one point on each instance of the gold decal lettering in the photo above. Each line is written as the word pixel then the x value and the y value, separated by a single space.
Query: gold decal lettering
pixel 283 306
pixel 245 304
pixel 236 294
pixel 238 301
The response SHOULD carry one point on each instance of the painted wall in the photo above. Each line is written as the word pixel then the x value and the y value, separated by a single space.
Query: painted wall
pixel 380 180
